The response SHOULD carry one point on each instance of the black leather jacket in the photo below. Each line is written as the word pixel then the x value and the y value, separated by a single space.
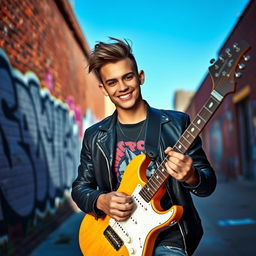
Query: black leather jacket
pixel 95 175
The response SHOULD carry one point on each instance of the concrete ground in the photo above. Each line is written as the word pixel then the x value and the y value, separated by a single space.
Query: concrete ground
pixel 228 216
pixel 63 241
pixel 229 220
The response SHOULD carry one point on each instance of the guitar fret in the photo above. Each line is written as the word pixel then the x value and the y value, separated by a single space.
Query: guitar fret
pixel 185 138
pixel 149 187
pixel 163 170
pixel 199 123
pixel 180 146
pixel 154 186
pixel 188 134
pixel 162 173
pixel 177 149
pixel 144 194
pixel 155 181
pixel 205 114
pixel 201 118
pixel 185 142
pixel 192 129
pixel 207 109
pixel 159 177
pixel 196 126
pixel 212 103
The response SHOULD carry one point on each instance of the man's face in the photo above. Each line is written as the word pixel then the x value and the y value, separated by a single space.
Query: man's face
pixel 121 82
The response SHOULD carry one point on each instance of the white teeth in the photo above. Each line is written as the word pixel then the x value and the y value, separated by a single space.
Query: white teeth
pixel 125 96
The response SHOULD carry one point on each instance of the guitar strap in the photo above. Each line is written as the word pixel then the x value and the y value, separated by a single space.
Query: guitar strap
pixel 153 131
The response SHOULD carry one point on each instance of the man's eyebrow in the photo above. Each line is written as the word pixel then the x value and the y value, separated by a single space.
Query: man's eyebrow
pixel 129 73
pixel 110 80
pixel 124 75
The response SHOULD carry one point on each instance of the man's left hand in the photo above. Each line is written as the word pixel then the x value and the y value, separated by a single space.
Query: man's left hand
pixel 180 167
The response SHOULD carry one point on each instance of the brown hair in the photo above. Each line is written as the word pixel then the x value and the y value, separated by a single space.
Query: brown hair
pixel 104 53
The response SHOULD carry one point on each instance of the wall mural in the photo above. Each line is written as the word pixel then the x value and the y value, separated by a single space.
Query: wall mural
pixel 39 149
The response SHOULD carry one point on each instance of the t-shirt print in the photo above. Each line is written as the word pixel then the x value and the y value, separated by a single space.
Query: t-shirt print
pixel 125 152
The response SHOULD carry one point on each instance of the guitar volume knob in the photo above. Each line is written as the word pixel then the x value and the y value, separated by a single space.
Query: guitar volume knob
pixel 132 251
pixel 128 239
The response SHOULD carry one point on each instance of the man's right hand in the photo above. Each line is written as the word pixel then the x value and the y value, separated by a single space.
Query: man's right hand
pixel 117 205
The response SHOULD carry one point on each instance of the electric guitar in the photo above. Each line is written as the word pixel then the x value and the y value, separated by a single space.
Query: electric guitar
pixel 136 236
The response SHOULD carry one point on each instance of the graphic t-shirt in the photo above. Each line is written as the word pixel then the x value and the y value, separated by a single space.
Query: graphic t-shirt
pixel 130 143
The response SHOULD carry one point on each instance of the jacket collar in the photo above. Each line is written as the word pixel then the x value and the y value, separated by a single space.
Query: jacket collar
pixel 111 120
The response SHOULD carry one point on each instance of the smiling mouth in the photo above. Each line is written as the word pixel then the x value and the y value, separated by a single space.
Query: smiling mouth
pixel 125 97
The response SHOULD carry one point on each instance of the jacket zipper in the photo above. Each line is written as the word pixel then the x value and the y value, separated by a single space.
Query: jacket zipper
pixel 109 174
pixel 180 228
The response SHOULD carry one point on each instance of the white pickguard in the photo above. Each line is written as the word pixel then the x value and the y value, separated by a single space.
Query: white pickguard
pixel 134 230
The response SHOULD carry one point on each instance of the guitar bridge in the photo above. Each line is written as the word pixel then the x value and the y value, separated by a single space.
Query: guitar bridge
pixel 113 238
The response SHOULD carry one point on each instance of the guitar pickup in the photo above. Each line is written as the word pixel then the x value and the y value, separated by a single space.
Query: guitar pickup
pixel 113 238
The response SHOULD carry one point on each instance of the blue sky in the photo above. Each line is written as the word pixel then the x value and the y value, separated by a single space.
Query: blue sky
pixel 173 41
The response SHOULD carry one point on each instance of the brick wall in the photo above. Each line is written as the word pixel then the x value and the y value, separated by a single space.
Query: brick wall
pixel 46 96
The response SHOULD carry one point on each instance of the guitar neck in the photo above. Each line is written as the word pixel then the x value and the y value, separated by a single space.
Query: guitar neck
pixel 181 146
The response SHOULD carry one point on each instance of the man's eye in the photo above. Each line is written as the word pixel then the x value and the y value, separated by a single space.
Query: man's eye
pixel 129 77
pixel 111 83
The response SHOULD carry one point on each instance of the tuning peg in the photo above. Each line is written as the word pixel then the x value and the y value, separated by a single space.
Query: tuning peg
pixel 247 57
pixel 230 63
pixel 228 52
pixel 241 66
pixel 221 57
pixel 238 74
pixel 235 46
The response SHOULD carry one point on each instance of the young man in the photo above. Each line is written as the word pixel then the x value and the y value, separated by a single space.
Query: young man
pixel 109 146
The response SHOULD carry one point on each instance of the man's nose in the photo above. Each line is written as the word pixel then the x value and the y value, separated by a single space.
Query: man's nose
pixel 122 86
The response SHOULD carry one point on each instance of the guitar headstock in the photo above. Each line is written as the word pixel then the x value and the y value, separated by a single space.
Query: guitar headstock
pixel 224 71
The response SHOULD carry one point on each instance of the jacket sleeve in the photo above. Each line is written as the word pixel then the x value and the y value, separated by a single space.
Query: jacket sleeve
pixel 207 178
pixel 84 188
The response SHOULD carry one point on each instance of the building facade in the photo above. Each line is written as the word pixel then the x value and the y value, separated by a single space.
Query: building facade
pixel 230 136
pixel 182 99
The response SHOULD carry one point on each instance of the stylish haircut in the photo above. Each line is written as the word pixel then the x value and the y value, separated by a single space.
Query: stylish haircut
pixel 104 53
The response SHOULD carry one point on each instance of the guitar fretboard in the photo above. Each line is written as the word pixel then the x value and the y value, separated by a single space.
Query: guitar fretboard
pixel 182 145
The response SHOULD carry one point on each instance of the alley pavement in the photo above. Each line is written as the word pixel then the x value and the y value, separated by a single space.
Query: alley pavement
pixel 63 241
pixel 228 217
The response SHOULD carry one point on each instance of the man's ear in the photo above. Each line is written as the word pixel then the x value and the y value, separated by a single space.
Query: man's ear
pixel 101 86
pixel 141 77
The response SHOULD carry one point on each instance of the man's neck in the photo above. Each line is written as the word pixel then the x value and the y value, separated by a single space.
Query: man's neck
pixel 134 115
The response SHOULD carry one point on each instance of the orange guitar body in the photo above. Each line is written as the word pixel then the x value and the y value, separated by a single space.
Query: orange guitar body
pixel 93 241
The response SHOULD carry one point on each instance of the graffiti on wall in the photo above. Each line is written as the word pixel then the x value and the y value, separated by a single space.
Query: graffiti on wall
pixel 39 149
pixel 222 145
